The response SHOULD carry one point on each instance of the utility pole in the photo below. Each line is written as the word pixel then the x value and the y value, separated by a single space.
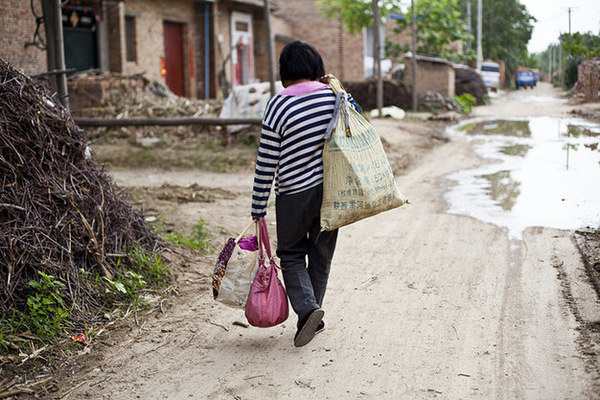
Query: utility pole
pixel 569 10
pixel 377 49
pixel 413 28
pixel 270 55
pixel 55 51
pixel 479 51
pixel 469 21
pixel 550 63
pixel 560 56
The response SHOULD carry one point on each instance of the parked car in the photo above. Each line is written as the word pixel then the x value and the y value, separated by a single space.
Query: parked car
pixel 525 79
pixel 490 74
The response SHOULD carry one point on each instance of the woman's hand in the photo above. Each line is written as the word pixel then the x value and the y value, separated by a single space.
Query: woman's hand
pixel 326 78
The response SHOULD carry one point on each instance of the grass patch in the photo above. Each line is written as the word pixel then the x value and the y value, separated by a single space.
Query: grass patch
pixel 48 316
pixel 198 240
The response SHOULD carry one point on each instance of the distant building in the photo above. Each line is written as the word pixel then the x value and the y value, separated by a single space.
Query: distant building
pixel 197 48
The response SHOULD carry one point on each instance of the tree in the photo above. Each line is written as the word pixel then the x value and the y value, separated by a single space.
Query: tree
pixel 439 23
pixel 507 28
pixel 532 61
pixel 355 14
pixel 581 44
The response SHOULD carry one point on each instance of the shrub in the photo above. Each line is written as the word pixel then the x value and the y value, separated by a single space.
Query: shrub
pixel 571 70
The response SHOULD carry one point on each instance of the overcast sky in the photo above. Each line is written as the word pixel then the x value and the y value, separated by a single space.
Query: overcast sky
pixel 553 19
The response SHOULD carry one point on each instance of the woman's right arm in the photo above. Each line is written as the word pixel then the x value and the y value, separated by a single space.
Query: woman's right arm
pixel 264 171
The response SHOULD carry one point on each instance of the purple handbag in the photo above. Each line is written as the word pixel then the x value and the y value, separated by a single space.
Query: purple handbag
pixel 267 303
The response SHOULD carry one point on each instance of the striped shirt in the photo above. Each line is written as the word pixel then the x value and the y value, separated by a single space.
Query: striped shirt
pixel 290 149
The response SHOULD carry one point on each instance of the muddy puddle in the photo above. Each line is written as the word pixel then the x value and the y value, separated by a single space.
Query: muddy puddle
pixel 542 171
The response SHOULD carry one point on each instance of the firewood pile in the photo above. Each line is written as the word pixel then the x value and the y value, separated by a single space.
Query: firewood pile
pixel 364 92
pixel 155 101
pixel 60 212
pixel 467 80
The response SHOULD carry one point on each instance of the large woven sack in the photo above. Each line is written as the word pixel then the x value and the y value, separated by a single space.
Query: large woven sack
pixel 234 273
pixel 358 181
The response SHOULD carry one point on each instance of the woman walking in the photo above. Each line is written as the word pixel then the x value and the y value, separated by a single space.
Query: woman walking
pixel 290 155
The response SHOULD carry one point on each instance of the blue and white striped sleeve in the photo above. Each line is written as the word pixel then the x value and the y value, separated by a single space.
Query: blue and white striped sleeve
pixel 354 103
pixel 264 172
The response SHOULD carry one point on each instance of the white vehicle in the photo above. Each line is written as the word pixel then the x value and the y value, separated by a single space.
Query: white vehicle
pixel 490 74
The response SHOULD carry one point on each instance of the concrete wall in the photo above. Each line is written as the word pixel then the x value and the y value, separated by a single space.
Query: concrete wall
pixel 435 76
pixel 17 25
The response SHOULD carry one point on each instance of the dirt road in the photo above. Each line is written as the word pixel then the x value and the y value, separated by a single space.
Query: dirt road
pixel 421 304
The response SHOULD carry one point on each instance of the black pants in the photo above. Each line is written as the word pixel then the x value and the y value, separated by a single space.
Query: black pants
pixel 299 236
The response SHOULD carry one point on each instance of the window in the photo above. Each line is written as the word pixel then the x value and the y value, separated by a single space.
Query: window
pixel 242 26
pixel 130 39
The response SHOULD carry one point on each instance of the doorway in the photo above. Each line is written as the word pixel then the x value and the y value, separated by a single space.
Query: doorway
pixel 242 56
pixel 173 44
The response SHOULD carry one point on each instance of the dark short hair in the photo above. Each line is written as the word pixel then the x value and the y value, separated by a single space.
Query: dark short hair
pixel 299 60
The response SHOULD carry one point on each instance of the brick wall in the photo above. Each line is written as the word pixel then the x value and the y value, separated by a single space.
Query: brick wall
pixel 17 25
pixel 588 80
pixel 149 17
pixel 342 53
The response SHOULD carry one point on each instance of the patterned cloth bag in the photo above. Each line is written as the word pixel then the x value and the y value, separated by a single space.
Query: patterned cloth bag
pixel 358 181
pixel 235 270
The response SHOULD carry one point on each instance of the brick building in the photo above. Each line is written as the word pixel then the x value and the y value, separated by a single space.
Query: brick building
pixel 342 53
pixel 198 48
pixel 17 27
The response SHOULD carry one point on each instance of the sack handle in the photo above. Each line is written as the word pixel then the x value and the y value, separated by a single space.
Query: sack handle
pixel 341 99
pixel 237 239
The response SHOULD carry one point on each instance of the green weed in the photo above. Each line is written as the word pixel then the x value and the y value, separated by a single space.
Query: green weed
pixel 197 240
pixel 47 311
pixel 466 101
pixel 152 266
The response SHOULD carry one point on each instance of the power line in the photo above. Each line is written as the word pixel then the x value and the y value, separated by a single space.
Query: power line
pixel 569 10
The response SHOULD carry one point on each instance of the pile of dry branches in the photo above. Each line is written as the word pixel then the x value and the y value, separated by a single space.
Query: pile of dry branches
pixel 125 103
pixel 467 80
pixel 60 213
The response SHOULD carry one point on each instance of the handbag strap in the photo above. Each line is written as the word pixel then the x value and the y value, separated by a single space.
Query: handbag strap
pixel 264 238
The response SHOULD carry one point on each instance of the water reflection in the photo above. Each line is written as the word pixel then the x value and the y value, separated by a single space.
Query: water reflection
pixel 519 150
pixel 578 131
pixel 545 173
pixel 502 188
pixel 498 127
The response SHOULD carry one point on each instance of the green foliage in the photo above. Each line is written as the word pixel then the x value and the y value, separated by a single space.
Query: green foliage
pixel 571 71
pixel 127 286
pixel 355 14
pixel 151 266
pixel 532 61
pixel 506 29
pixel 197 240
pixel 466 101
pixel 583 45
pixel 9 327
pixel 47 311
pixel 438 23
pixel 141 271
